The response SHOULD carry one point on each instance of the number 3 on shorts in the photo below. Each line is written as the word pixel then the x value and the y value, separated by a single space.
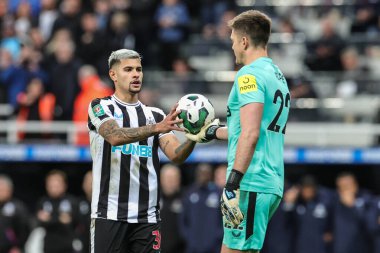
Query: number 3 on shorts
pixel 157 234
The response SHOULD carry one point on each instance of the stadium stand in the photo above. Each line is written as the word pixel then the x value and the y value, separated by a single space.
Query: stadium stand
pixel 329 51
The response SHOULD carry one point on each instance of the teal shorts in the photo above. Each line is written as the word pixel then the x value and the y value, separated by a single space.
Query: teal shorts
pixel 258 209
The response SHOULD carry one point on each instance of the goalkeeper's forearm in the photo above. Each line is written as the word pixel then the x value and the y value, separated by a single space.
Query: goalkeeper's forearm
pixel 222 133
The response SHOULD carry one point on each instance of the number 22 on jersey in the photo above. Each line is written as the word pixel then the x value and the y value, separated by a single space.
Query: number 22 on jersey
pixel 282 100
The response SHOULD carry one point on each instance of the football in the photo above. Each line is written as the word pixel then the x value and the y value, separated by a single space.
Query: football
pixel 196 112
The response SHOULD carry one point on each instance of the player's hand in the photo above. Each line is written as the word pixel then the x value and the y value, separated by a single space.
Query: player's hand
pixel 206 134
pixel 291 195
pixel 170 122
pixel 229 204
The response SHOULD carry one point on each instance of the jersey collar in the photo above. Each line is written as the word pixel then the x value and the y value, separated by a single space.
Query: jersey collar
pixel 125 104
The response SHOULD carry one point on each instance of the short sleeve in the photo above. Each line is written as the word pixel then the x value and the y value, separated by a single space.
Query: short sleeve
pixel 250 87
pixel 98 113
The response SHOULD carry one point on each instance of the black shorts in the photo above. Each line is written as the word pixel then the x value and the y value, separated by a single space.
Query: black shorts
pixel 108 236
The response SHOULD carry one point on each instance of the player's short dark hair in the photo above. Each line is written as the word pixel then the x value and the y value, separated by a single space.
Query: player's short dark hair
pixel 254 24
pixel 346 174
pixel 308 181
pixel 120 54
pixel 58 173
pixel 7 180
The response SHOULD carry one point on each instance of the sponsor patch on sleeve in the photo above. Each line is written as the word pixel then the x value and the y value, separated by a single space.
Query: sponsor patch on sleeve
pixel 98 110
pixel 247 83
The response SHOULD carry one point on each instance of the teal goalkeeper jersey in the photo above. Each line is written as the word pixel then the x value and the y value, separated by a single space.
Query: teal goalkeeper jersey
pixel 261 82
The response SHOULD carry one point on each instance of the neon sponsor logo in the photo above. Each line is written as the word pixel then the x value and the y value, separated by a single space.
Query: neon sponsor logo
pixel 133 149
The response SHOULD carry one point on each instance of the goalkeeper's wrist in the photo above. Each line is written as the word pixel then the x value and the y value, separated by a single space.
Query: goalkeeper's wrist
pixel 234 179
pixel 211 132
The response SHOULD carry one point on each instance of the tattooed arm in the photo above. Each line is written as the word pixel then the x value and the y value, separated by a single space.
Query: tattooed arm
pixel 177 152
pixel 116 135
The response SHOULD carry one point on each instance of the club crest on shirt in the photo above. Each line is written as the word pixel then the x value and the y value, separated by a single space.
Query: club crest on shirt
pixel 98 110
pixel 247 83
pixel 118 116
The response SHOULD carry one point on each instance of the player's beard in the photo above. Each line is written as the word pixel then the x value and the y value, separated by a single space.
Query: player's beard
pixel 134 90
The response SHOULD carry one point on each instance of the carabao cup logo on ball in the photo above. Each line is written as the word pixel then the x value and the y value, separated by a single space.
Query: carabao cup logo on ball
pixel 196 112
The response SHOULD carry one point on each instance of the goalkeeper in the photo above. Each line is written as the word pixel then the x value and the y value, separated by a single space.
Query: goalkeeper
pixel 258 107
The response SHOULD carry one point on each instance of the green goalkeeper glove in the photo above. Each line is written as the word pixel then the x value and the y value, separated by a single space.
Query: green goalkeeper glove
pixel 229 201
pixel 206 134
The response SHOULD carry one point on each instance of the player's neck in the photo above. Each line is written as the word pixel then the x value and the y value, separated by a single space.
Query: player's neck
pixel 128 98
pixel 253 54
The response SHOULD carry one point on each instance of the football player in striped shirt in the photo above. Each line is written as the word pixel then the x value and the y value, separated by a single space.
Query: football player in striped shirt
pixel 125 136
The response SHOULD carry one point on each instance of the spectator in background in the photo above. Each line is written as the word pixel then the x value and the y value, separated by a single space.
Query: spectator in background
pixel 119 33
pixel 120 5
pixel 172 19
pixel 280 236
pixel 91 45
pixel 185 77
pixel 171 208
pixel 301 87
pixel 102 13
pixel 4 11
pixel 57 213
pixel 312 208
pixel 365 20
pixel 37 41
pixel 12 77
pixel 63 35
pixel 373 218
pixel 223 32
pixel 141 12
pixel 324 53
pixel 213 18
pixel 220 175
pixel 212 11
pixel 83 228
pixel 350 214
pixel 23 21
pixel 17 75
pixel 201 210
pixel 47 18
pixel 63 70
pixel 14 219
pixel 354 73
pixel 34 5
pixel 91 87
pixel 69 17
pixel 9 39
pixel 34 104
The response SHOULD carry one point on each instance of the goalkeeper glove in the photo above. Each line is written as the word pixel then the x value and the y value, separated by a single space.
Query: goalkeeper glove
pixel 206 134
pixel 229 201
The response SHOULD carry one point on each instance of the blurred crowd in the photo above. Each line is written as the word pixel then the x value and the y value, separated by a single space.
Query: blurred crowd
pixel 311 218
pixel 53 53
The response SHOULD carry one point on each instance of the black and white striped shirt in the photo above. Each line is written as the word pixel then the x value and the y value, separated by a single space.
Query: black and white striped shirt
pixel 125 178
